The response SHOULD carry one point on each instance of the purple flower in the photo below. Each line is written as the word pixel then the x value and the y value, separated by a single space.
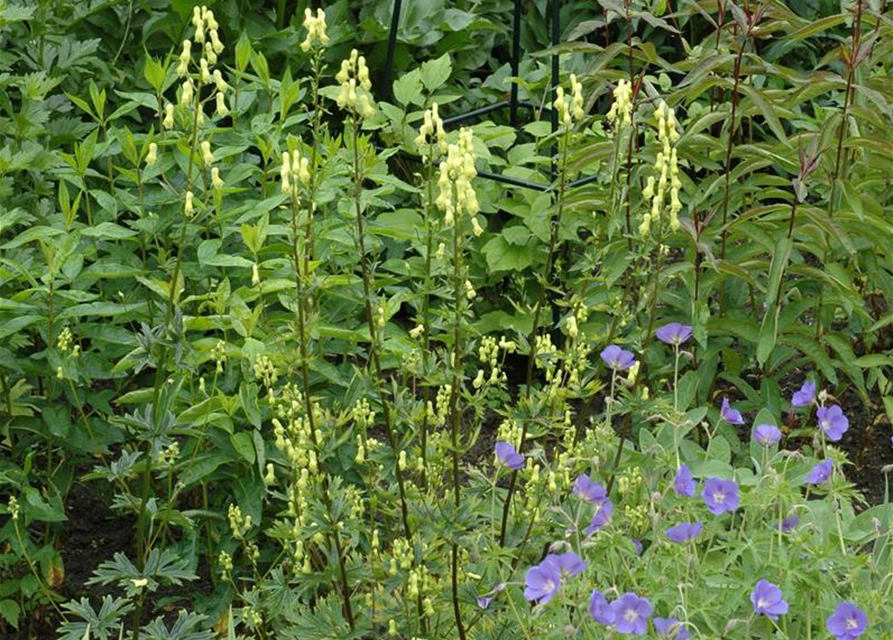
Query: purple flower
pixel 820 473
pixel 542 582
pixel 599 608
pixel 766 434
pixel 684 483
pixel 484 601
pixel 789 523
pixel 631 614
pixel 767 600
pixel 730 415
pixel 569 563
pixel 671 628
pixel 720 495
pixel 601 517
pixel 638 545
pixel 848 622
pixel 805 396
pixel 685 532
pixel 617 358
pixel 509 455
pixel 832 422
pixel 674 333
pixel 590 491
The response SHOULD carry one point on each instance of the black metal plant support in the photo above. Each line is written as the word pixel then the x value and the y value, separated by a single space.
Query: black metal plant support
pixel 513 104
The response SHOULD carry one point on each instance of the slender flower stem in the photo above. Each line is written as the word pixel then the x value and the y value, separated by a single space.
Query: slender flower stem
pixel 426 312
pixel 676 380
pixel 537 311
pixel 370 322
pixel 455 412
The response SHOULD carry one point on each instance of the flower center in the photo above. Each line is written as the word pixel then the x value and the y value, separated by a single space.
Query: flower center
pixel 761 604
pixel 630 615
pixel 719 497
pixel 852 624
pixel 549 585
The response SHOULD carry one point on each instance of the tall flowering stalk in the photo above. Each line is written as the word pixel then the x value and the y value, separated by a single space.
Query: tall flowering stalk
pixel 355 97
pixel 432 143
pixel 570 111
pixel 298 180
pixel 190 109
pixel 457 200
pixel 661 195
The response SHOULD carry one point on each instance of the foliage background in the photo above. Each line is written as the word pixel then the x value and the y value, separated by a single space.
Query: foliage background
pixel 89 242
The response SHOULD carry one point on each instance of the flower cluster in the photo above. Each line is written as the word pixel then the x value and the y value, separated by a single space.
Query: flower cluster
pixel 569 111
pixel 431 132
pixel 622 108
pixel 316 30
pixel 456 195
pixel 355 92
pixel 207 38
pixel 667 169
pixel 295 171
pixel 831 419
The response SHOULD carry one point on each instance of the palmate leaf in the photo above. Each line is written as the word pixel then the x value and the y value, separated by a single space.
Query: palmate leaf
pixel 104 624
pixel 162 567
pixel 323 622
pixel 185 627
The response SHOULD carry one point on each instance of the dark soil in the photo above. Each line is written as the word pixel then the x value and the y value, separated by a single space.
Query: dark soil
pixel 868 446
pixel 93 534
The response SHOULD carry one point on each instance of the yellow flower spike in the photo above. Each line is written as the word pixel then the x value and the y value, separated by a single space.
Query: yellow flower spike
pixel 188 206
pixel 285 173
pixel 577 100
pixel 363 74
pixel 216 181
pixel 316 29
pixel 622 108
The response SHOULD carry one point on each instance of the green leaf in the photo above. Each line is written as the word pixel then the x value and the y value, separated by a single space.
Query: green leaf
pixel 767 109
pixel 154 73
pixel 813 351
pixel 436 72
pixel 776 269
pixel 243 52
pixel 9 611
pixel 874 360
pixel 242 443
pixel 408 89
pixel 108 230
pixel 503 256
pixel 768 335
pixel 248 398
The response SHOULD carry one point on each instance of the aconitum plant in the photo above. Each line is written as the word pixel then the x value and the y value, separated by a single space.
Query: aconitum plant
pixel 587 370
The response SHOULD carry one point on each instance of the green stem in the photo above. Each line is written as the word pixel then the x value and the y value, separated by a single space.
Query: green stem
pixel 537 311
